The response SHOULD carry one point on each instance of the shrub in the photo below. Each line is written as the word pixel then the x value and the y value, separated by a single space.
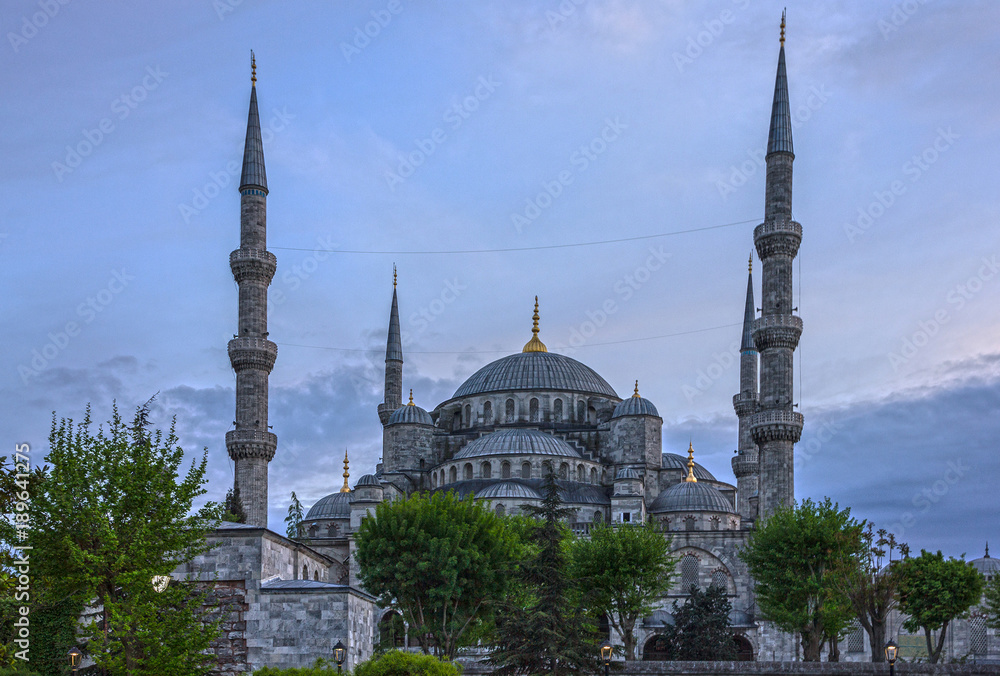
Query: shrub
pixel 320 667
pixel 398 663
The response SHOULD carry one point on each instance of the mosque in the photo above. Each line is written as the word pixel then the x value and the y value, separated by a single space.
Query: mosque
pixel 510 424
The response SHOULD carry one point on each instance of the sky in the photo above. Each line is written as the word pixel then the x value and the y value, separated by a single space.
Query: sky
pixel 606 156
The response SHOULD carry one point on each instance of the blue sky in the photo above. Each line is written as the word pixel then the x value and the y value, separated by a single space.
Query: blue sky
pixel 448 126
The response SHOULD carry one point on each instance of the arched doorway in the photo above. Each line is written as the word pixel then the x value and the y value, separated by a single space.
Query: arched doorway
pixel 655 649
pixel 392 631
pixel 744 649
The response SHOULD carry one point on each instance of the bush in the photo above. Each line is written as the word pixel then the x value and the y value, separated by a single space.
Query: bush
pixel 320 667
pixel 398 663
pixel 17 670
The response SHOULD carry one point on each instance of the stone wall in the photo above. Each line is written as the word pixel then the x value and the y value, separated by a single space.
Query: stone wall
pixel 230 648
pixel 784 668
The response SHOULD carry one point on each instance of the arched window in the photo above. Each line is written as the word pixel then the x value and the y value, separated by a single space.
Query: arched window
pixel 467 471
pixel 488 413
pixel 581 412
pixel 533 409
pixel 509 413
pixel 305 572
pixel 546 469
pixel 456 420
pixel 715 522
pixel 487 470
pixel 331 531
pixel 525 470
pixel 720 579
pixel 500 510
pixel 316 575
pixel 856 639
pixel 392 630
pixel 593 475
pixel 656 649
pixel 434 479
pixel 557 410
pixel 977 635
pixel 689 522
pixel 505 470
pixel 581 474
pixel 453 474
pixel 592 415
pixel 598 517
pixel 468 416
pixel 689 572
pixel 313 530
pixel 564 471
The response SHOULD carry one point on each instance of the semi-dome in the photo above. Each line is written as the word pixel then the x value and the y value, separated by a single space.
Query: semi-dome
pixel 508 490
pixel 333 506
pixel 674 461
pixel 690 496
pixel 535 371
pixel 410 413
pixel 517 441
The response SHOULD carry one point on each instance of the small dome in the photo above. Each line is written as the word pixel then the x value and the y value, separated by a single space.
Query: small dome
pixel 690 496
pixel 410 414
pixel 674 461
pixel 508 490
pixel 634 406
pixel 626 473
pixel 987 565
pixel 517 442
pixel 368 480
pixel 333 506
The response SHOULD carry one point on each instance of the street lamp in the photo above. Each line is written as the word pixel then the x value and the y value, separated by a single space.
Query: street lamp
pixel 74 657
pixel 339 655
pixel 891 652
pixel 606 655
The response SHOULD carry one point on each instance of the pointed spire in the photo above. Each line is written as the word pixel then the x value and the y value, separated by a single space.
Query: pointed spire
pixel 347 474
pixel 411 398
pixel 394 343
pixel 690 477
pixel 636 393
pixel 987 550
pixel 749 314
pixel 779 138
pixel 253 175
pixel 535 345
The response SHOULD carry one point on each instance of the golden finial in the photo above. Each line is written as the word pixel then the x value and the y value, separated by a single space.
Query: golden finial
pixel 253 68
pixel 411 397
pixel 782 27
pixel 394 275
pixel 636 393
pixel 347 474
pixel 690 476
pixel 535 345
pixel 750 263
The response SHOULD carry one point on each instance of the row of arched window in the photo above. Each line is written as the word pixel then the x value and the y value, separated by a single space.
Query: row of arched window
pixel 690 568
pixel 506 469
pixel 463 417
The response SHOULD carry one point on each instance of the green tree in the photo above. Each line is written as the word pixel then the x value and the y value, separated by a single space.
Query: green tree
pixel 992 593
pixel 547 631
pixel 701 629
pixel 870 583
pixel 111 514
pixel 399 663
pixel 232 508
pixel 443 562
pixel 294 517
pixel 933 591
pixel 795 557
pixel 625 570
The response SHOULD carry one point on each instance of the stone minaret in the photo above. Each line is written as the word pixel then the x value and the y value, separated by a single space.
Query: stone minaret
pixel 393 362
pixel 775 427
pixel 251 445
pixel 745 465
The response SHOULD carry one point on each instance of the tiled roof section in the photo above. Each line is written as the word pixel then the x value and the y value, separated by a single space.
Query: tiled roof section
pixel 394 345
pixel 674 461
pixel 253 175
pixel 690 496
pixel 535 371
pixel 635 406
pixel 570 492
pixel 302 584
pixel 749 315
pixel 517 441
pixel 779 138
pixel 410 414
pixel 333 506
pixel 508 490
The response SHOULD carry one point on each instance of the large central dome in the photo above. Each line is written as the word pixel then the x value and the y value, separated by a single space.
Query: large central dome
pixel 535 371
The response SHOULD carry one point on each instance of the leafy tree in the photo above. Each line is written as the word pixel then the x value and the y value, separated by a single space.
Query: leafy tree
pixel 934 591
pixel 111 514
pixel 442 561
pixel 549 632
pixel 294 517
pixel 795 557
pixel 625 570
pixel 701 629
pixel 992 593
pixel 232 508
pixel 870 583
pixel 399 663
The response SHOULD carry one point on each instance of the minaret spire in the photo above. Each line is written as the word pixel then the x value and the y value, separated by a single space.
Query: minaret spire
pixel 776 426
pixel 535 345
pixel 347 474
pixel 745 465
pixel 393 391
pixel 251 444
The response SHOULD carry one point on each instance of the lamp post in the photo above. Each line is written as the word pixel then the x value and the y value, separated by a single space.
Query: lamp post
pixel 891 653
pixel 339 655
pixel 606 655
pixel 74 657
